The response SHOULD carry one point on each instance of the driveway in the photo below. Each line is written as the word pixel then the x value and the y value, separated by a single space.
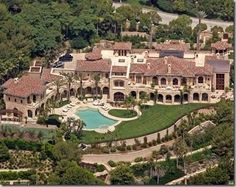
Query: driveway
pixel 167 17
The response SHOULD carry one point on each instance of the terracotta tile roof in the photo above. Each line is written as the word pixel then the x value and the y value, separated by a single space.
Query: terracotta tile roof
pixel 221 45
pixel 94 55
pixel 179 67
pixel 122 46
pixel 138 68
pixel 25 86
pixel 172 46
pixel 93 66
pixel 47 77
pixel 119 69
pixel 29 84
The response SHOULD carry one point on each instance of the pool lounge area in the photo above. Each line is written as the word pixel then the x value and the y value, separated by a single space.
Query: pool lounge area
pixel 94 119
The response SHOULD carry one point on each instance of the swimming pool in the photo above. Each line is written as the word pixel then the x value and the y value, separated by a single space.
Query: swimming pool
pixel 93 119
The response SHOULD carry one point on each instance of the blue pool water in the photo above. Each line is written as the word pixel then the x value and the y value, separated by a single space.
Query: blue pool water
pixel 93 119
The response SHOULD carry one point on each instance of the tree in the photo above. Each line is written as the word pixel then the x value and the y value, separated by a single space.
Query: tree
pixel 200 15
pixel 181 27
pixel 58 83
pixel 229 29
pixel 96 78
pixel 180 149
pixel 65 150
pixel 80 78
pixel 69 173
pixel 4 153
pixel 69 78
pixel 122 175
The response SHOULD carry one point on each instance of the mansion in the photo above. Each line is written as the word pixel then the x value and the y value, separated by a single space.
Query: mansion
pixel 168 74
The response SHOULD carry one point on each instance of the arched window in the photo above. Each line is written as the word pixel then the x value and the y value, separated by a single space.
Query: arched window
pixel 175 81
pixel 34 98
pixel 155 80
pixel 118 96
pixel 119 83
pixel 200 80
pixel 163 81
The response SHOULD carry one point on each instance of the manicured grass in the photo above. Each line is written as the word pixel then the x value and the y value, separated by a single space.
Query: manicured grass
pixel 153 119
pixel 123 113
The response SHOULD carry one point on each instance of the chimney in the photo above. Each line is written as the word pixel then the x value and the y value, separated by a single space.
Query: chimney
pixel 148 65
pixel 165 59
pixel 169 68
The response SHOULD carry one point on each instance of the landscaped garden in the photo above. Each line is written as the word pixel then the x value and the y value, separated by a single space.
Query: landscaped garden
pixel 122 113
pixel 153 119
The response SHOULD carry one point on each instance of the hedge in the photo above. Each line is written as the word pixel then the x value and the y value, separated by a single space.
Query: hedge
pixel 14 175
pixel 21 144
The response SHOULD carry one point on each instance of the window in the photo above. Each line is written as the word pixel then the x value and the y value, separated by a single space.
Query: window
pixel 140 60
pixel 220 81
pixel 175 81
pixel 163 81
pixel 119 83
pixel 21 101
pixel 107 75
pixel 9 98
pixel 138 79
pixel 200 80
pixel 121 60
pixel 15 100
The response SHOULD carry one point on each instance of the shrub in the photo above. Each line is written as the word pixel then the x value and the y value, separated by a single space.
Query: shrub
pixel 22 145
pixel 144 145
pixel 154 142
pixel 105 150
pixel 112 163
pixel 4 153
pixel 150 144
pixel 163 149
pixel 113 149
pixel 145 140
pixel 137 142
pixel 13 175
pixel 138 159
pixel 158 141
pixel 100 168
pixel 129 147
pixel 134 147
pixel 121 148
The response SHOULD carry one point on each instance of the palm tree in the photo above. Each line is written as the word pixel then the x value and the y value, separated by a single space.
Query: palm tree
pixel 127 102
pixel 69 77
pixel 58 83
pixel 96 78
pixel 80 78
pixel 180 150
pixel 200 15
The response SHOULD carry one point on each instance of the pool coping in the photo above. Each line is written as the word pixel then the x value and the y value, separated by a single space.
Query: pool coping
pixel 110 128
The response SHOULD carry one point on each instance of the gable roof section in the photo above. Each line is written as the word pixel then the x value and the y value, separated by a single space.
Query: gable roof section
pixel 93 66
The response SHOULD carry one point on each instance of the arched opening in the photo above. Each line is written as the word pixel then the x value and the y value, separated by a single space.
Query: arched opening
pixel 118 96
pixel 105 90
pixel 163 81
pixel 185 98
pixel 88 90
pixel 175 81
pixel 72 92
pixel 79 91
pixel 168 99
pixel 183 81
pixel 37 111
pixel 30 113
pixel 15 113
pixel 204 97
pixel 155 80
pixel 64 94
pixel 152 96
pixel 200 80
pixel 34 98
pixel 28 100
pixel 98 90
pixel 160 98
pixel 133 94
pixel 196 97
pixel 143 95
pixel 177 99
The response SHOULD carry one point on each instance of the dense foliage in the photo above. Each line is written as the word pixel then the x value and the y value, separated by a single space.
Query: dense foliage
pixel 213 8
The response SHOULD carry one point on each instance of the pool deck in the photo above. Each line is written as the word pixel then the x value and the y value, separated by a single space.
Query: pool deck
pixel 79 104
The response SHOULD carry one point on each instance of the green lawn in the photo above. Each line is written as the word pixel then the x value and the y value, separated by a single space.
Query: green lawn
pixel 123 113
pixel 153 119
